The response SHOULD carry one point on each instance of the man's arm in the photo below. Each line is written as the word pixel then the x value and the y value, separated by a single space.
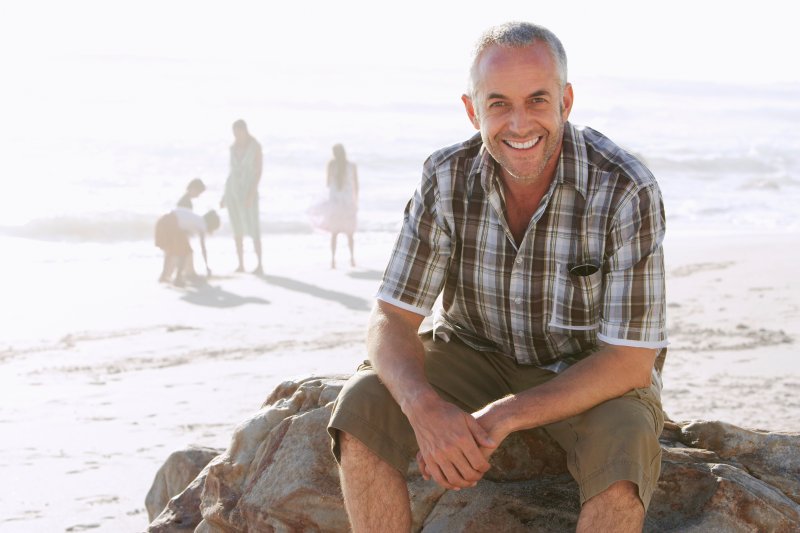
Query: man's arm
pixel 449 439
pixel 609 373
pixel 634 285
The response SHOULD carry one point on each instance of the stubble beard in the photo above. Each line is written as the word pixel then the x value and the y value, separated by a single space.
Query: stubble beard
pixel 535 174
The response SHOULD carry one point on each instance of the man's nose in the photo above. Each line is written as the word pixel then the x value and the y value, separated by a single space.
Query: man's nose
pixel 521 120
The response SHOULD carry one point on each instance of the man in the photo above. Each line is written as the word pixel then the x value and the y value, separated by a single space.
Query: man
pixel 241 192
pixel 545 242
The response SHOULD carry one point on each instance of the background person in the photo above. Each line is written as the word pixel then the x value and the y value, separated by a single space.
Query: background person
pixel 241 192
pixel 338 214
pixel 194 189
pixel 172 235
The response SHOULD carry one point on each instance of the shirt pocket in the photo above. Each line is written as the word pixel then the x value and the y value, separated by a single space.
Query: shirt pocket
pixel 576 300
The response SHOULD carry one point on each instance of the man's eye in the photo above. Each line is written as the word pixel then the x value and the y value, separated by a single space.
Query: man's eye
pixel 497 104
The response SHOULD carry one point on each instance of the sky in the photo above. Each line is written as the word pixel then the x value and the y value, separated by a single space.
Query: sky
pixel 726 41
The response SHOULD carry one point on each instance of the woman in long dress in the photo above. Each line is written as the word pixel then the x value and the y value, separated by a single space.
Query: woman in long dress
pixel 338 213
pixel 241 192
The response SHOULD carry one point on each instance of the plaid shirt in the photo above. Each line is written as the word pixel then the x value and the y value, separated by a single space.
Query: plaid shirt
pixel 603 208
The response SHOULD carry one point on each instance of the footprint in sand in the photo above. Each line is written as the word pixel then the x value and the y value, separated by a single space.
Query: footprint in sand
pixel 82 527
pixel 742 337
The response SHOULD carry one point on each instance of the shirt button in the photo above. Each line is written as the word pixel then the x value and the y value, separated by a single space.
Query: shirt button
pixel 518 261
pixel 518 300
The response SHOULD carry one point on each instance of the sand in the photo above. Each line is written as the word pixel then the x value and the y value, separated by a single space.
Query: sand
pixel 104 372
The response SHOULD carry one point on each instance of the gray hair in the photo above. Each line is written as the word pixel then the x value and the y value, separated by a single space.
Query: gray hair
pixel 519 35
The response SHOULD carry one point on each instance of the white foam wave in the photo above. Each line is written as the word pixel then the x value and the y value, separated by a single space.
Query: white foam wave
pixel 137 227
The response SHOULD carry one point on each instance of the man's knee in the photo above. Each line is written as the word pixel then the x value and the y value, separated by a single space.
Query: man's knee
pixel 356 454
pixel 617 508
pixel 351 449
pixel 367 420
pixel 621 494
pixel 613 450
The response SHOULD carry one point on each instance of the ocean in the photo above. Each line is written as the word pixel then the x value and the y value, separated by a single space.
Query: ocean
pixel 99 152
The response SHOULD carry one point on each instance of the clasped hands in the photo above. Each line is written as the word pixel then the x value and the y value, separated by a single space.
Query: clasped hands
pixel 454 446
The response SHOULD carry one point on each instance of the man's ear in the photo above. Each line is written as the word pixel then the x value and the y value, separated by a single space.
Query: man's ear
pixel 470 108
pixel 566 102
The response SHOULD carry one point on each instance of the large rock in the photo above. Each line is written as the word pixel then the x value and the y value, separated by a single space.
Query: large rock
pixel 175 475
pixel 278 475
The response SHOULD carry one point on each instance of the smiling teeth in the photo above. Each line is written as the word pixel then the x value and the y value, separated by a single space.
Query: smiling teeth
pixel 522 146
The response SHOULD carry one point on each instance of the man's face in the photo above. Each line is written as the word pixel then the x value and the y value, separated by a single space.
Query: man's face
pixel 520 109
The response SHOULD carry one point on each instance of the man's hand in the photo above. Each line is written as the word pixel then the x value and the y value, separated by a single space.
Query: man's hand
pixel 491 422
pixel 450 445
pixel 449 439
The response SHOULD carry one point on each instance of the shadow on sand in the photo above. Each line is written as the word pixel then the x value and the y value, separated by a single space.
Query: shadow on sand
pixel 348 300
pixel 376 275
pixel 211 296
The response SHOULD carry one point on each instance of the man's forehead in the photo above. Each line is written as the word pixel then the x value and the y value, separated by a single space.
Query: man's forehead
pixel 500 67
pixel 536 55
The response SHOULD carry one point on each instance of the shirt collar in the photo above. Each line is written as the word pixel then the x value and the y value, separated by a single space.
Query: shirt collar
pixel 482 167
pixel 573 163
pixel 572 169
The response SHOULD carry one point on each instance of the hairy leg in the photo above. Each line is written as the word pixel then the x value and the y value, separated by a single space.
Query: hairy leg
pixel 375 493
pixel 618 509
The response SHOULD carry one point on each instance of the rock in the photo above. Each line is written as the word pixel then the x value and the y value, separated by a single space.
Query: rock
pixel 278 475
pixel 770 457
pixel 175 475
pixel 546 503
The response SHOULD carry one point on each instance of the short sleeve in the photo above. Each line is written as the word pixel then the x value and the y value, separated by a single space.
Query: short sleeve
pixel 417 268
pixel 634 306
pixel 189 221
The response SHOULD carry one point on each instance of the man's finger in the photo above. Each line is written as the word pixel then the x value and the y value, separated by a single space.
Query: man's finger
pixel 471 467
pixel 478 457
pixel 457 469
pixel 481 436
pixel 423 467
pixel 439 477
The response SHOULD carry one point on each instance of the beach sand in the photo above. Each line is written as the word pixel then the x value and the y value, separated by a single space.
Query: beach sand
pixel 104 372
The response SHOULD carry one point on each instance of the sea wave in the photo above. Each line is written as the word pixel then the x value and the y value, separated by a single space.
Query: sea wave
pixel 775 183
pixel 97 228
pixel 716 165
pixel 121 227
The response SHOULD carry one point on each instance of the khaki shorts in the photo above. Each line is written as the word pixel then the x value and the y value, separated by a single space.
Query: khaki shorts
pixel 614 441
